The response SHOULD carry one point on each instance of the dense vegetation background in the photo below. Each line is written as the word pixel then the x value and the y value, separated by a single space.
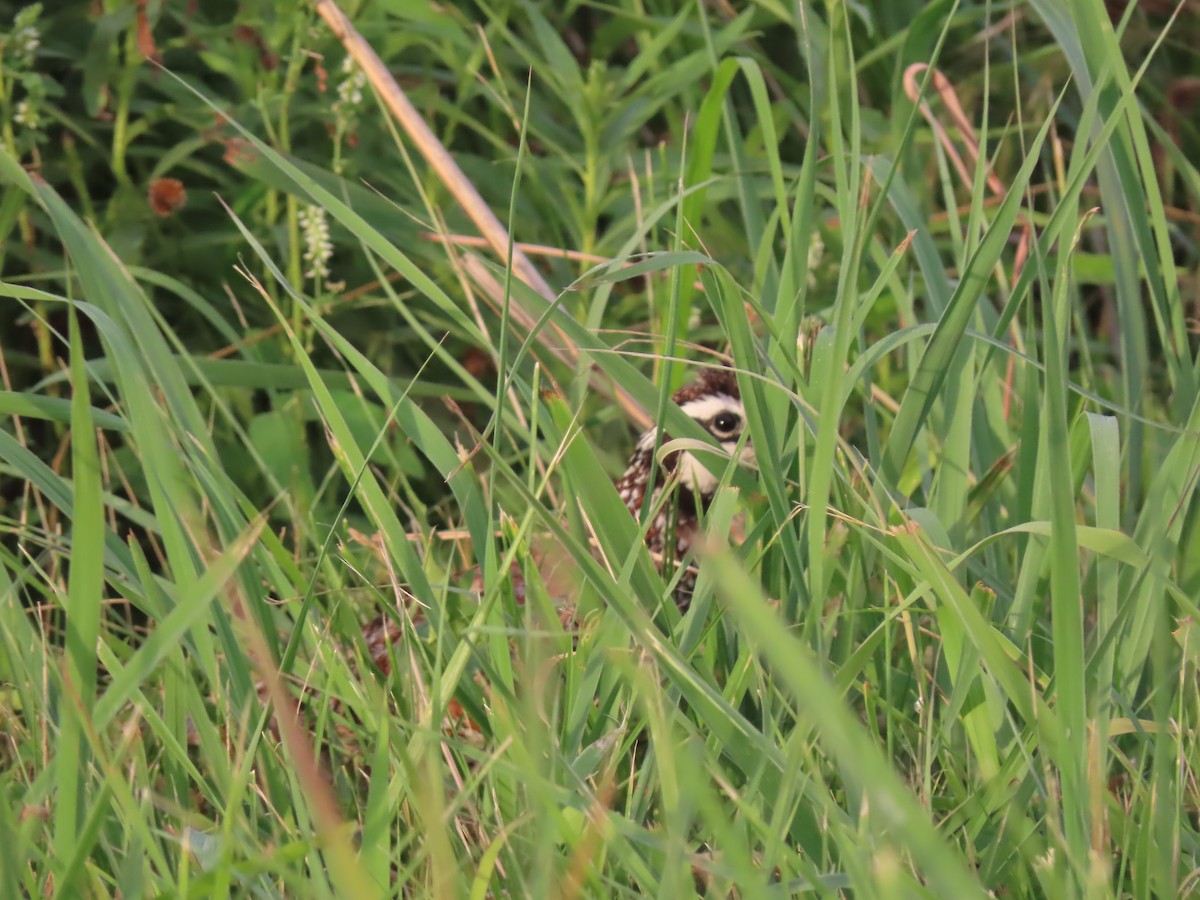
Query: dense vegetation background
pixel 260 387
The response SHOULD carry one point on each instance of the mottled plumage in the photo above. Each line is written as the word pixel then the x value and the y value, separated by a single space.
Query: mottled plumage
pixel 714 401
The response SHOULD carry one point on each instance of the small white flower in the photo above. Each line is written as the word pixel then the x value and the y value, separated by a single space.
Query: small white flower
pixel 26 115
pixel 318 248
pixel 25 43
pixel 350 88
pixel 26 37
pixel 919 705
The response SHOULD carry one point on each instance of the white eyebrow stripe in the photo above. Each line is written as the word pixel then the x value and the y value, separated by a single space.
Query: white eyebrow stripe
pixel 701 409
pixel 704 408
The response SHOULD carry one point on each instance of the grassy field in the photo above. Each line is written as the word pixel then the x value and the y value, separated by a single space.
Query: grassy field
pixel 262 383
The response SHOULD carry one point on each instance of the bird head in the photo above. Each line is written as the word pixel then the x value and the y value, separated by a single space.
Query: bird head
pixel 715 403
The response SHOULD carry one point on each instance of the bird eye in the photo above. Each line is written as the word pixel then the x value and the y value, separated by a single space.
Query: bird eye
pixel 726 422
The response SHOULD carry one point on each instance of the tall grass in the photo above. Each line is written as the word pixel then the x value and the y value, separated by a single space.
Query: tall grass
pixel 941 642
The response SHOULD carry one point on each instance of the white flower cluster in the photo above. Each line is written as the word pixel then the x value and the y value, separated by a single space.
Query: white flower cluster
pixel 26 115
pixel 318 249
pixel 25 43
pixel 350 88
pixel 26 38
pixel 18 52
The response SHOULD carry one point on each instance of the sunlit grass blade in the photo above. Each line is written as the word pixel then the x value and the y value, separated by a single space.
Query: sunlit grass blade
pixel 72 839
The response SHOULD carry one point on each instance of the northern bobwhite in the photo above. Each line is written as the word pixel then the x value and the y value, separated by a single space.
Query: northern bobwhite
pixel 715 402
